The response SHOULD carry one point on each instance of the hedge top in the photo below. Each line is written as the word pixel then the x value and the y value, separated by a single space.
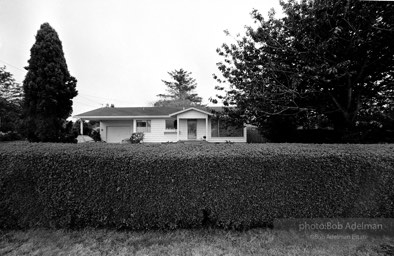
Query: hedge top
pixel 204 150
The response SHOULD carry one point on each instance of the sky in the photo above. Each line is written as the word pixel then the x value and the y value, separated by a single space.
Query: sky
pixel 121 50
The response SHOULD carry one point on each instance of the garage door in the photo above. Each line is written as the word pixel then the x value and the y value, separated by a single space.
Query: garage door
pixel 115 134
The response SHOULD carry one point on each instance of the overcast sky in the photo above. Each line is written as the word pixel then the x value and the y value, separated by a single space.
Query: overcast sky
pixel 120 50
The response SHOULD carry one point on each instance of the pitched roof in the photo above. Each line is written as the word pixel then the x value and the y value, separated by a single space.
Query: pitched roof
pixel 138 111
pixel 205 111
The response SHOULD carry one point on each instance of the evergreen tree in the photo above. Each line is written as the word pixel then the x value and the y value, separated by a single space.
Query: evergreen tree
pixel 180 91
pixel 49 89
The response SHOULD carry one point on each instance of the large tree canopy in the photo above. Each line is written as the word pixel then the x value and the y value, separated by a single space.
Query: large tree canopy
pixel 179 91
pixel 49 89
pixel 331 58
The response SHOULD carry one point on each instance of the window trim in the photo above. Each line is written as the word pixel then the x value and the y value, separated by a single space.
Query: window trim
pixel 175 125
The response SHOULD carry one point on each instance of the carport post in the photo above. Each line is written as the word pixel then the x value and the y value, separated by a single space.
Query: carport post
pixel 178 127
pixel 206 128
pixel 81 124
pixel 134 125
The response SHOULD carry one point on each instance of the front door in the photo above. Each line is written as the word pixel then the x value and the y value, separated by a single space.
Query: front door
pixel 191 129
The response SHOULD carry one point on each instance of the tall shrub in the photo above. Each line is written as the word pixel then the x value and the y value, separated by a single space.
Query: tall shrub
pixel 49 89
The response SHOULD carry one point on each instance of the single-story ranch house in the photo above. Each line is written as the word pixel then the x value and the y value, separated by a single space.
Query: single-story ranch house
pixel 163 124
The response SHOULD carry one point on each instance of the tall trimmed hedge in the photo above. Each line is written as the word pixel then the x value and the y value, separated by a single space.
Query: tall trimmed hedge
pixel 179 185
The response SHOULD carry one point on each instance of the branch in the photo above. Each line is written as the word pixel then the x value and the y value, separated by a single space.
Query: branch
pixel 349 92
pixel 284 110
pixel 385 29
pixel 336 103
pixel 361 72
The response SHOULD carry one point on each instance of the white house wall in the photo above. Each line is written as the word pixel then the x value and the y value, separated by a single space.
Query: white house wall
pixel 158 133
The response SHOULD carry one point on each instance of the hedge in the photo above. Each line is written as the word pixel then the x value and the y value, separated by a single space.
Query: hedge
pixel 166 186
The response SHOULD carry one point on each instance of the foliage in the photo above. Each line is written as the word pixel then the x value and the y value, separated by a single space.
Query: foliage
pixel 95 134
pixel 280 128
pixel 10 116
pixel 89 128
pixel 10 90
pixel 144 186
pixel 10 136
pixel 175 103
pixel 49 89
pixel 180 91
pixel 253 135
pixel 11 97
pixel 331 59
pixel 69 136
pixel 222 126
pixel 137 137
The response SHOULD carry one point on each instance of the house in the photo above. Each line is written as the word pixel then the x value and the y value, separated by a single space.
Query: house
pixel 164 124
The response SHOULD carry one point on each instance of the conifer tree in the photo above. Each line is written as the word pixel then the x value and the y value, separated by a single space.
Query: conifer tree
pixel 49 89
pixel 180 91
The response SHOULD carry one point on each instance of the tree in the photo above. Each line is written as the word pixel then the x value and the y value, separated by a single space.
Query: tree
pixel 49 89
pixel 11 96
pixel 9 89
pixel 180 91
pixel 330 58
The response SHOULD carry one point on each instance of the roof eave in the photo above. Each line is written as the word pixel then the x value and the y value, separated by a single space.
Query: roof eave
pixel 117 117
pixel 189 109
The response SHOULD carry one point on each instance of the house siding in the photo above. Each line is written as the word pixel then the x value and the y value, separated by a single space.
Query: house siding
pixel 158 133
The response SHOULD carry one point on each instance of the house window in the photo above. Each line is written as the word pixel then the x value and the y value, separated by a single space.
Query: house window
pixel 171 124
pixel 223 128
pixel 143 126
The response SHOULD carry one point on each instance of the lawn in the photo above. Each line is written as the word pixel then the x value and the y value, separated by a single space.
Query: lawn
pixel 185 242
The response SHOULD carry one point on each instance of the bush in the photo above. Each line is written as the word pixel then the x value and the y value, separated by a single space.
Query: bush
pixel 279 129
pixel 146 186
pixel 10 136
pixel 360 136
pixel 317 136
pixel 253 135
pixel 95 134
pixel 137 137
